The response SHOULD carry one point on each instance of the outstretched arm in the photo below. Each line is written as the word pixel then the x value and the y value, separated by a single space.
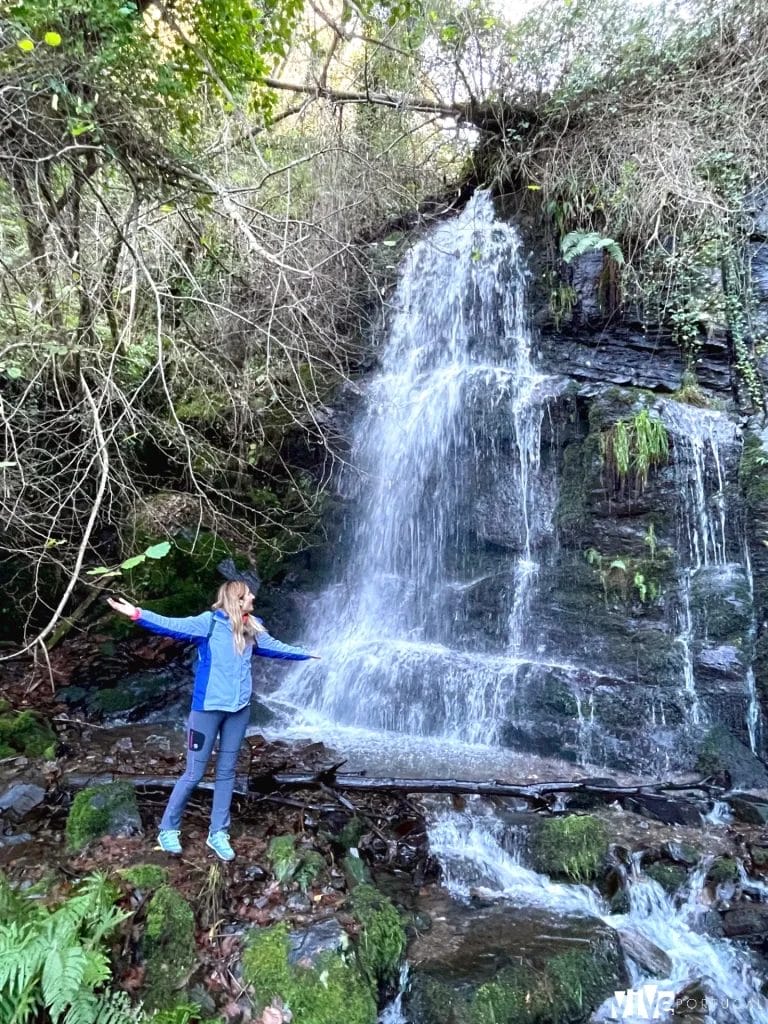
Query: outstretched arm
pixel 189 627
pixel 267 647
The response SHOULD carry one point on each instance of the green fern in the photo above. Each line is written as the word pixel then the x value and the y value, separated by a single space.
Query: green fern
pixel 576 243
pixel 52 960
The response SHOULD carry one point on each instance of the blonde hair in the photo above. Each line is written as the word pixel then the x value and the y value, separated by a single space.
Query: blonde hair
pixel 244 630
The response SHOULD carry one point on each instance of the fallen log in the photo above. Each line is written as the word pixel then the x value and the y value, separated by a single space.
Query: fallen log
pixel 542 793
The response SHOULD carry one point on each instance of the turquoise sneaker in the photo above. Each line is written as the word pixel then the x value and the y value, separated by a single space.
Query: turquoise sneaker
pixel 168 840
pixel 219 843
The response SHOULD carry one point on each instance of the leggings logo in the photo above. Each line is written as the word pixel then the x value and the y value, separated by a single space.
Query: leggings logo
pixel 196 740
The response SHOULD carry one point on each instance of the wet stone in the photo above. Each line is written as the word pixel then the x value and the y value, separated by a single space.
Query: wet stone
pixel 307 944
pixel 646 955
pixel 17 801
pixel 747 809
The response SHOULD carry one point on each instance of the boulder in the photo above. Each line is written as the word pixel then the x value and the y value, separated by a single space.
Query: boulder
pixel 749 921
pixel 501 962
pixel 720 753
pixel 18 800
pixel 106 810
pixel 647 956
pixel 748 809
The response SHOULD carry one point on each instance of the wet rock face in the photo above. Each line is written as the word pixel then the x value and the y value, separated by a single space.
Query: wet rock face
pixel 505 963
pixel 643 612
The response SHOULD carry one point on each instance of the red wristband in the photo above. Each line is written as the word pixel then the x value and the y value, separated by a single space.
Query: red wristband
pixel 136 615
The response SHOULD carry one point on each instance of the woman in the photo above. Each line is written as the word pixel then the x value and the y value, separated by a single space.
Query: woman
pixel 227 637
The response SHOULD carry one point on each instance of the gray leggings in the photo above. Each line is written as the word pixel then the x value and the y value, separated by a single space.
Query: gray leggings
pixel 203 728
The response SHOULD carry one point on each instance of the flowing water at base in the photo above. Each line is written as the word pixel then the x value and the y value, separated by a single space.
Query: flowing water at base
pixel 476 855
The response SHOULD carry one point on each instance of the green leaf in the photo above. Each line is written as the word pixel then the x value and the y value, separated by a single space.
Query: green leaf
pixel 14 372
pixel 80 128
pixel 158 550
pixel 131 563
pixel 26 45
pixel 52 38
pixel 618 563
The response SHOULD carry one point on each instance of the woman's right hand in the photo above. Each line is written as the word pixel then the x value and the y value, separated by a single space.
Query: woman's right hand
pixel 122 606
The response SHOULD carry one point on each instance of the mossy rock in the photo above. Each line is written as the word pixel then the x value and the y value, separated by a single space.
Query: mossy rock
pixel 382 941
pixel 333 991
pixel 568 988
pixel 168 946
pixel 110 809
pixel 303 866
pixel 573 846
pixel 670 877
pixel 720 753
pixel 753 473
pixel 579 475
pixel 137 695
pixel 145 876
pixel 24 732
pixel 723 869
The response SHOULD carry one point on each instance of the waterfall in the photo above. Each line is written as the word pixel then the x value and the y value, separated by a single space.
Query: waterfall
pixel 451 431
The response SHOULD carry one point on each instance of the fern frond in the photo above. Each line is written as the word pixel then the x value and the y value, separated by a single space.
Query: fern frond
pixel 62 980
pixel 83 1009
pixel 21 956
pixel 97 968
pixel 577 243
pixel 108 921
pixel 115 1008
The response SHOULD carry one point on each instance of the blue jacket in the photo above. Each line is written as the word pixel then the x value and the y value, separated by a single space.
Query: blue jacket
pixel 223 676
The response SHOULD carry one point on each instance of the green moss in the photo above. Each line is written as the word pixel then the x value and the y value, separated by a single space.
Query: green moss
pixel 309 870
pixel 351 834
pixel 355 871
pixel 168 945
pixel 182 583
pixel 382 941
pixel 571 847
pixel 290 864
pixel 710 760
pixel 145 876
pixel 760 666
pixel 670 877
pixel 24 732
pixel 334 991
pixel 93 810
pixel 557 699
pixel 110 702
pixel 723 869
pixel 753 473
pixel 567 988
pixel 282 855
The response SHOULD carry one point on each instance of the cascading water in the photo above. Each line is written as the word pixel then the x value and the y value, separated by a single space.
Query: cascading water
pixel 473 855
pixel 712 538
pixel 453 417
